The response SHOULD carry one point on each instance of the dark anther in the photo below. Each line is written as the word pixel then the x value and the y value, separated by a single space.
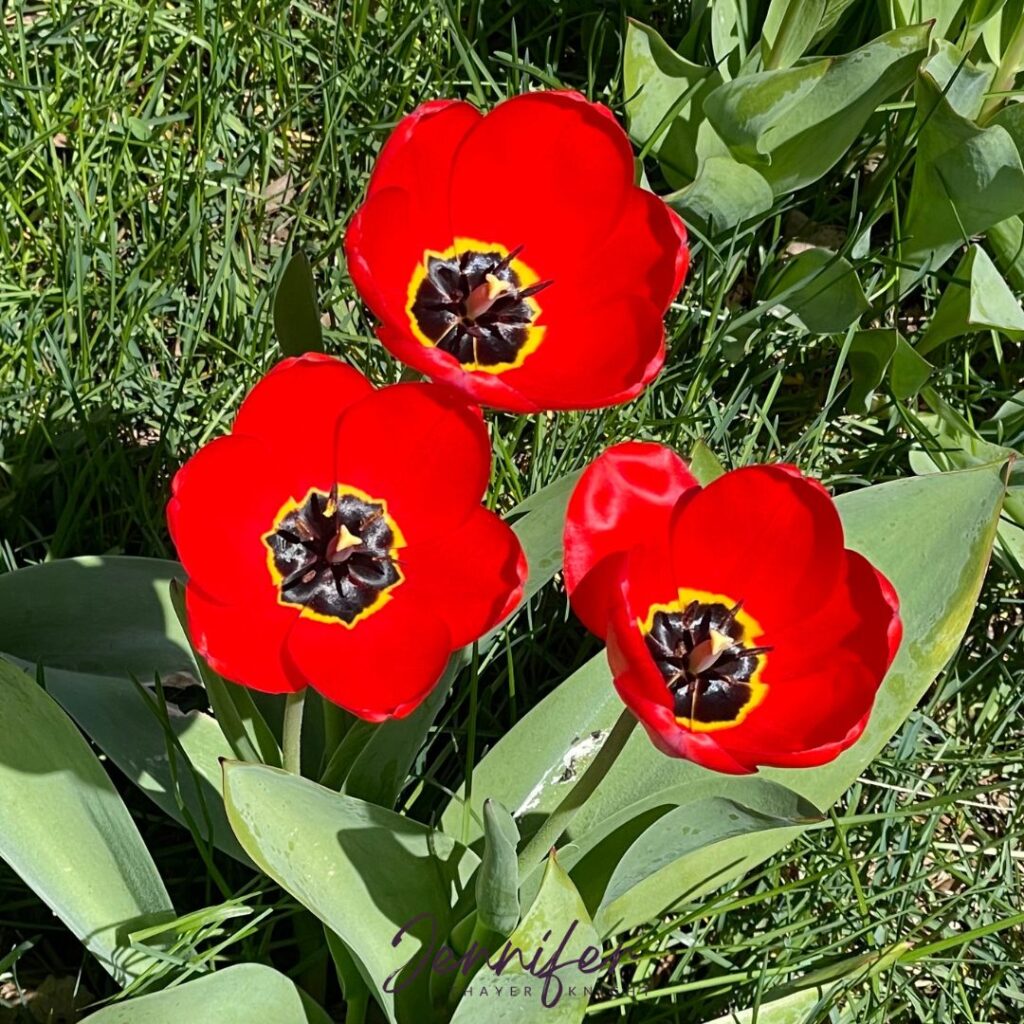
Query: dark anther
pixel 471 306
pixel 701 654
pixel 334 555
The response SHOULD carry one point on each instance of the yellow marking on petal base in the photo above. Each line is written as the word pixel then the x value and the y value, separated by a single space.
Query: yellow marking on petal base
pixel 752 633
pixel 526 276
pixel 398 542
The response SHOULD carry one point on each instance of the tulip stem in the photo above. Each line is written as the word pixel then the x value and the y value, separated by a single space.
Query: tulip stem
pixel 294 704
pixel 560 818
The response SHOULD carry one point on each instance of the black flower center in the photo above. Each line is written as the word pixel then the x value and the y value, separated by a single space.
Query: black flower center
pixel 476 306
pixel 334 555
pixel 706 665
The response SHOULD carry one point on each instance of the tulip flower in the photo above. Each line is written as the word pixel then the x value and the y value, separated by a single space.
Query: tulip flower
pixel 335 538
pixel 511 256
pixel 741 631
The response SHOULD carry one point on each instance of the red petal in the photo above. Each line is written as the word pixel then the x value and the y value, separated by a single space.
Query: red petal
pixel 646 254
pixel 294 411
pixel 383 247
pixel 420 449
pixel 472 578
pixel 624 498
pixel 406 209
pixel 546 170
pixel 487 389
pixel 417 156
pixel 243 643
pixel 591 355
pixel 807 720
pixel 382 667
pixel 823 673
pixel 224 499
pixel 764 535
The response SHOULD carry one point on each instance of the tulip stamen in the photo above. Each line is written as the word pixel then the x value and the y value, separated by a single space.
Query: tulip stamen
pixel 334 555
pixel 708 668
pixel 478 305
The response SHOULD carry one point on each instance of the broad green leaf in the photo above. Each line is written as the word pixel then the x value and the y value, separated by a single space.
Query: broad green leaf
pixel 109 620
pixel 869 357
pixel 909 371
pixel 111 616
pixel 789 27
pixel 497 880
pixel 557 923
pixel 65 830
pixel 821 289
pixel 966 180
pixel 834 10
pixel 1000 27
pixel 793 125
pixel 730 32
pixel 816 988
pixel 665 94
pixel 128 729
pixel 874 352
pixel 956 445
pixel 963 85
pixel 747 112
pixel 705 464
pixel 380 769
pixel 1010 415
pixel 932 536
pixel 977 299
pixel 296 311
pixel 1007 241
pixel 242 994
pixel 694 825
pixel 794 1008
pixel 910 12
pixel 366 872
pixel 724 195
pixel 538 523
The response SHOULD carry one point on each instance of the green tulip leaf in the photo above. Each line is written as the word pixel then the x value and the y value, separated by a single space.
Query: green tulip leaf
pixel 109 621
pixel 705 464
pixel 874 352
pixel 909 371
pixel 869 357
pixel 932 536
pixel 815 990
pixel 366 872
pixel 724 195
pixel 65 830
pixel 966 180
pixel 907 12
pixel 977 299
pixel 953 445
pixel 558 988
pixel 242 994
pixel 296 311
pixel 794 124
pixel 111 616
pixel 665 95
pixel 497 881
pixel 821 289
pixel 789 27
pixel 688 825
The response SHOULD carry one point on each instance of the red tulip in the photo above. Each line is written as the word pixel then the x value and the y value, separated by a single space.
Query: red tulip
pixel 511 256
pixel 335 538
pixel 740 629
